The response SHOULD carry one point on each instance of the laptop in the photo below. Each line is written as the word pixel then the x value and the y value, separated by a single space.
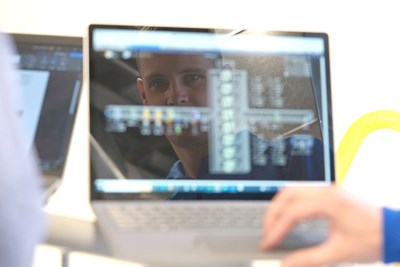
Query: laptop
pixel 193 131
pixel 50 75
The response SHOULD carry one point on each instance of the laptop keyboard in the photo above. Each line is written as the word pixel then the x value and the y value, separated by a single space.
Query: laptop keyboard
pixel 165 218
pixel 169 217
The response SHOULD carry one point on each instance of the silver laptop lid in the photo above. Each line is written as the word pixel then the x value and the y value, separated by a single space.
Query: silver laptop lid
pixel 200 114
pixel 50 70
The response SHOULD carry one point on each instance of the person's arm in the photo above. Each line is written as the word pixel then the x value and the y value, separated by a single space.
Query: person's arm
pixel 391 235
pixel 22 220
pixel 355 233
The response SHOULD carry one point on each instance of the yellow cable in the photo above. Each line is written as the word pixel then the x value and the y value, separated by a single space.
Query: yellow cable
pixel 348 147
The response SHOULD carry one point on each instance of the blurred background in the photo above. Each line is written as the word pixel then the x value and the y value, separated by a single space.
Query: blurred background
pixel 364 54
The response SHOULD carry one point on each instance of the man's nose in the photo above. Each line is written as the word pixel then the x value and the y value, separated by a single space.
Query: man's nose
pixel 178 95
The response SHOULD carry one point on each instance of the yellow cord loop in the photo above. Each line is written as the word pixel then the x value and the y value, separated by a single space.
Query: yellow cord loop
pixel 348 147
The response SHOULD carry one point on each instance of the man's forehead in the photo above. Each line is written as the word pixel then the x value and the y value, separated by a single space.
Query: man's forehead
pixel 162 61
pixel 177 56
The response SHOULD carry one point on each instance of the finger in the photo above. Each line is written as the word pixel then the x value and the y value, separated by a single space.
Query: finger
pixel 294 212
pixel 324 254
pixel 284 199
pixel 274 211
pixel 278 206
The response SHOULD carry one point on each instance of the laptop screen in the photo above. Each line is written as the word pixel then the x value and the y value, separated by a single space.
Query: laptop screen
pixel 50 73
pixel 188 114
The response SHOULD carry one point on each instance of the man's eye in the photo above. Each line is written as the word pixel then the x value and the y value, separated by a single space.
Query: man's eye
pixel 188 78
pixel 159 84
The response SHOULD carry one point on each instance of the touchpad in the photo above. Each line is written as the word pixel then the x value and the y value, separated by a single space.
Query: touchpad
pixel 231 243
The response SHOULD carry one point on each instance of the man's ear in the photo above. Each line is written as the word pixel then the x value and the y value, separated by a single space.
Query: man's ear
pixel 139 82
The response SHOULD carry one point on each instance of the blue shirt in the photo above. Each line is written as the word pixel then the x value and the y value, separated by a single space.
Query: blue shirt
pixel 391 235
pixel 299 167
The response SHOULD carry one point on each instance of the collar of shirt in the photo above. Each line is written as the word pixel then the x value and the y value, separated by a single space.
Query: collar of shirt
pixel 176 171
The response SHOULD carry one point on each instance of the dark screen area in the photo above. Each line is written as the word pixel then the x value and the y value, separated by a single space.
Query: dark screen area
pixel 272 92
pixel 61 57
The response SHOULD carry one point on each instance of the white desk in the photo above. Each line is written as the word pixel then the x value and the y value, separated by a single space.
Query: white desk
pixel 74 243
pixel 77 243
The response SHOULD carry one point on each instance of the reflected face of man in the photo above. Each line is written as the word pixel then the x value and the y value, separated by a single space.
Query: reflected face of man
pixel 174 79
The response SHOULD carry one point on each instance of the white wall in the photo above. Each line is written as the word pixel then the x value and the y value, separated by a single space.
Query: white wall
pixel 365 56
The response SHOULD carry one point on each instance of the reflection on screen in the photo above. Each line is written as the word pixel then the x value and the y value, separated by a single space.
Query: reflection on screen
pixel 185 115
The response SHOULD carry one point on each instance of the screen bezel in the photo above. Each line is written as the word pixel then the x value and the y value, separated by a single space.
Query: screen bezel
pixel 324 36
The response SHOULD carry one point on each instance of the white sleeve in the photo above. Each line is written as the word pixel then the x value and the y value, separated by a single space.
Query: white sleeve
pixel 21 216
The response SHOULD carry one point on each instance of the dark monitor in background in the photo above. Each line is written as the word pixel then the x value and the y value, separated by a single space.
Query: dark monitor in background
pixel 50 75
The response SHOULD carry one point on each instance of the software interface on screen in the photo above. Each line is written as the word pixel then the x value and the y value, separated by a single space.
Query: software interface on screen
pixel 50 75
pixel 206 112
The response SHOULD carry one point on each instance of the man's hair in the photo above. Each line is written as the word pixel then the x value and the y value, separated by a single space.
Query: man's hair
pixel 168 29
pixel 176 29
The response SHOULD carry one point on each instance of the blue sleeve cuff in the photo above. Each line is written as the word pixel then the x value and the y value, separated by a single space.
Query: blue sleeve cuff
pixel 391 235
